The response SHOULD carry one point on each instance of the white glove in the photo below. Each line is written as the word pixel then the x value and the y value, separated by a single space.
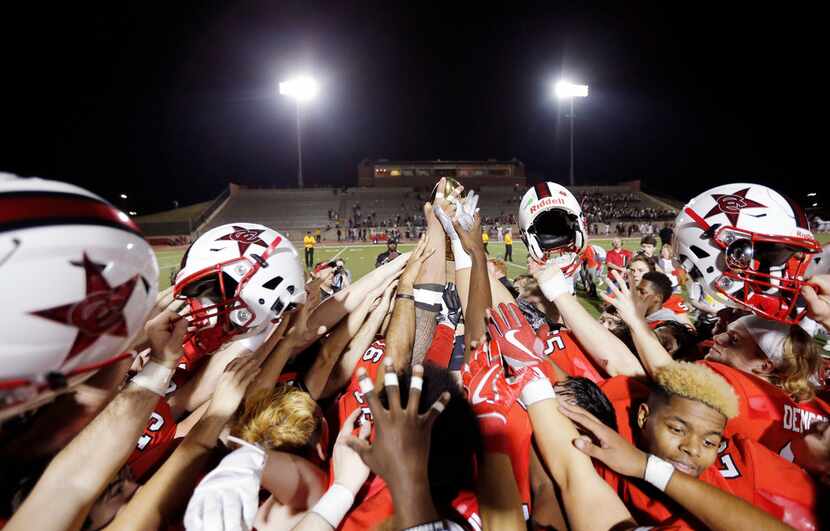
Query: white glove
pixel 227 499
pixel 446 222
pixel 466 209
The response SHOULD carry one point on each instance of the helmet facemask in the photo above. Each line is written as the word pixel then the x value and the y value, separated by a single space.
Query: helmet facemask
pixel 222 297
pixel 555 236
pixel 765 273
pixel 761 272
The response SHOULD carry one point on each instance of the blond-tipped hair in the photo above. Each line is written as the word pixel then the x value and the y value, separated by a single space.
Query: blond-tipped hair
pixel 698 382
pixel 282 418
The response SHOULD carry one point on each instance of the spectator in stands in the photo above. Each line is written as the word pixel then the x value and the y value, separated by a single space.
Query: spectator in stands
pixel 308 244
pixel 617 258
pixel 508 245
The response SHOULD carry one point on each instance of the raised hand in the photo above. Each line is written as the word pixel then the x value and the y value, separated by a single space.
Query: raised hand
pixel 349 469
pixel 617 453
pixel 416 260
pixel 238 375
pixel 630 306
pixel 227 499
pixel 400 450
pixel 817 296
pixel 470 238
pixel 466 210
pixel 514 338
pixel 166 333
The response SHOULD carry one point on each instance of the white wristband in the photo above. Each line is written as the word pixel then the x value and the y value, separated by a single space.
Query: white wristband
pixel 334 504
pixel 462 259
pixel 554 286
pixel 154 377
pixel 658 472
pixel 536 391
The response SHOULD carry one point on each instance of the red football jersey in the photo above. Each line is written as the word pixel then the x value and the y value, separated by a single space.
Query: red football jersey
pixel 564 350
pixel 373 504
pixel 160 430
pixel 766 414
pixel 744 468
pixel 676 304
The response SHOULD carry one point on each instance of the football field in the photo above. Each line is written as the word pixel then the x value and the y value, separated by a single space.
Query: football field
pixel 360 258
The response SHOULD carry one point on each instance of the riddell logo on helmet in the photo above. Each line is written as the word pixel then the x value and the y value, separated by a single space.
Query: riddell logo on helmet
pixel 546 202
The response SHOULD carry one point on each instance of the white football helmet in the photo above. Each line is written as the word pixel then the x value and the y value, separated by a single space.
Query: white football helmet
pixel 749 247
pixel 77 281
pixel 552 226
pixel 239 277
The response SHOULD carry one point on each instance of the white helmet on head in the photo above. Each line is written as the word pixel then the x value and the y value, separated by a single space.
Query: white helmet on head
pixel 240 277
pixel 78 282
pixel 552 226
pixel 748 246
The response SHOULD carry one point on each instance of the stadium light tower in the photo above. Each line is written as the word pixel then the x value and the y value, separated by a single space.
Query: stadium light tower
pixel 301 89
pixel 568 91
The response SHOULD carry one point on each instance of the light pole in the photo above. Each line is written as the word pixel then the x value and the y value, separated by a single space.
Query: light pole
pixel 569 91
pixel 301 89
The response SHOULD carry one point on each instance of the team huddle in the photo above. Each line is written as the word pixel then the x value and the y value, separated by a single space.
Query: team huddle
pixel 433 393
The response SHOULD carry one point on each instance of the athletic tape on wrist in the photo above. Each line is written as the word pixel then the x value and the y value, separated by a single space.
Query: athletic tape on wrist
pixel 536 391
pixel 334 504
pixel 416 382
pixel 428 297
pixel 154 377
pixel 553 287
pixel 462 259
pixel 658 472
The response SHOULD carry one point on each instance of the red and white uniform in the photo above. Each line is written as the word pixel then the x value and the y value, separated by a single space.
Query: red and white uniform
pixel 744 468
pixel 766 414
pixel 373 504
pixel 562 348
pixel 157 437
pixel 676 304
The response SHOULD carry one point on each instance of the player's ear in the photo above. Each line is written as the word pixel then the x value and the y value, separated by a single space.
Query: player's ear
pixel 642 415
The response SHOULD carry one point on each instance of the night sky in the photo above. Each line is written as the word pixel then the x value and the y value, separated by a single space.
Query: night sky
pixel 168 101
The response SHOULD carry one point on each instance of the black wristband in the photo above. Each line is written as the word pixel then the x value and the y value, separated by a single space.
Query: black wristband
pixel 405 296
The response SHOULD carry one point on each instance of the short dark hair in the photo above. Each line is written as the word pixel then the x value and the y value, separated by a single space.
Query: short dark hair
pixel 686 340
pixel 661 284
pixel 649 239
pixel 456 440
pixel 587 395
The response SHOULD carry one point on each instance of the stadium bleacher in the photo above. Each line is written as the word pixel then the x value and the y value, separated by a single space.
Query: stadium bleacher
pixel 295 211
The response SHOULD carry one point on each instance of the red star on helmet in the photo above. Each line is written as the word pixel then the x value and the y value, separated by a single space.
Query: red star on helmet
pixel 245 238
pixel 101 311
pixel 732 204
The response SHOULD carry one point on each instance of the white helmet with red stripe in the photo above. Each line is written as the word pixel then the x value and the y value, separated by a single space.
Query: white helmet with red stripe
pixel 240 277
pixel 77 280
pixel 552 226
pixel 748 247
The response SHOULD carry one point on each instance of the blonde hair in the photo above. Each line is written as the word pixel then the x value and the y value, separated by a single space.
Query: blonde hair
pixel 800 361
pixel 698 382
pixel 282 418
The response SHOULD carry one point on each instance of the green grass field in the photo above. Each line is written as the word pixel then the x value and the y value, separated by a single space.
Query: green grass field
pixel 360 259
